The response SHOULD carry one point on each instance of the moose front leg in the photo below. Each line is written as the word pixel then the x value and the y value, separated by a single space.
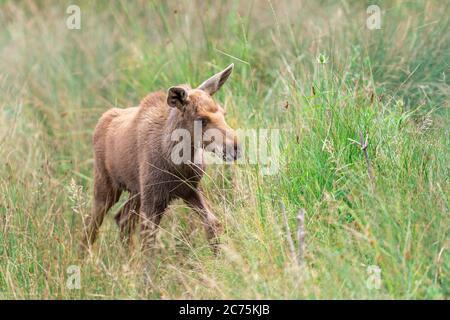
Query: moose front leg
pixel 150 216
pixel 212 225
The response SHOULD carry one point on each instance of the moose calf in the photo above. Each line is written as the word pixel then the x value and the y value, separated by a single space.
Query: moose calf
pixel 132 151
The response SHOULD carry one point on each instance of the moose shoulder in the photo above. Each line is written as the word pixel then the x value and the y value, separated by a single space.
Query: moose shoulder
pixel 133 152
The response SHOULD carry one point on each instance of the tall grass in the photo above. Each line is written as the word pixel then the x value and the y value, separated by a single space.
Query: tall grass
pixel 391 84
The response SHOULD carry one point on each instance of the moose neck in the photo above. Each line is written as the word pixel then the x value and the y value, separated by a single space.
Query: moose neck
pixel 189 166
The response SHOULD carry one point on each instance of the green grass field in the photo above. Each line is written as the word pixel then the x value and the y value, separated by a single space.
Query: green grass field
pixel 310 68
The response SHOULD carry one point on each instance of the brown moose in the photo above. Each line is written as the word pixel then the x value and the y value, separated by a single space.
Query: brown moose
pixel 132 151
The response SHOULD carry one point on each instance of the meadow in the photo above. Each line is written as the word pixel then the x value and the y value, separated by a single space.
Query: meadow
pixel 312 69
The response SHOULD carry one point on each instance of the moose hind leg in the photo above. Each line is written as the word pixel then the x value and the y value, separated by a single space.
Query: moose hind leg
pixel 127 219
pixel 105 196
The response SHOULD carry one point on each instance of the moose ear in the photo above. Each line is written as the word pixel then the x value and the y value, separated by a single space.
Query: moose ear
pixel 216 81
pixel 177 97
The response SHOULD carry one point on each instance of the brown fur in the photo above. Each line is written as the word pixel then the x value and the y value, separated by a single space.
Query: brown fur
pixel 132 149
